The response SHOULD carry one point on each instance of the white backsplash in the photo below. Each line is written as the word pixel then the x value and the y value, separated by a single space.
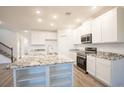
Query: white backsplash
pixel 115 47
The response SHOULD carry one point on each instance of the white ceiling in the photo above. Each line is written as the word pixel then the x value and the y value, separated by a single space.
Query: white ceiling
pixel 25 18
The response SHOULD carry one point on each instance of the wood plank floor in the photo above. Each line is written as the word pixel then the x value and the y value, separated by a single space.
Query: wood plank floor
pixel 5 76
pixel 80 79
pixel 84 80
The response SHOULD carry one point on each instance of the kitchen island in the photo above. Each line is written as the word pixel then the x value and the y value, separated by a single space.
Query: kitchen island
pixel 43 71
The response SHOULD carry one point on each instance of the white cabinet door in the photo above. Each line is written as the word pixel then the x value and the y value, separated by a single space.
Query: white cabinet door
pixel 51 35
pixel 76 36
pixel 96 30
pixel 103 70
pixel 91 62
pixel 73 36
pixel 37 38
pixel 109 26
pixel 86 27
pixel 34 38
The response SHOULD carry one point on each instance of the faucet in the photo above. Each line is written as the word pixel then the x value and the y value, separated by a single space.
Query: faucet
pixel 49 49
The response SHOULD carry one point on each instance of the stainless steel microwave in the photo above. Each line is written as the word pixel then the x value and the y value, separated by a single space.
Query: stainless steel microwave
pixel 87 38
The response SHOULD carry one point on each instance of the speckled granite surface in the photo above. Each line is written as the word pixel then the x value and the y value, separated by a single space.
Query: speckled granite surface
pixel 41 60
pixel 108 55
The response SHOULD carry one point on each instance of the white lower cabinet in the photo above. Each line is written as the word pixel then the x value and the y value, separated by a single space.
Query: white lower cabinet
pixel 103 70
pixel 110 72
pixel 58 75
pixel 91 63
pixel 99 68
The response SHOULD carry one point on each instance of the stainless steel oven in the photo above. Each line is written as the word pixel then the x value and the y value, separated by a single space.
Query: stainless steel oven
pixel 81 62
pixel 86 38
pixel 82 57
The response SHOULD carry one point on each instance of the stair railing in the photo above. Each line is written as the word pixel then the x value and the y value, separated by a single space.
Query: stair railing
pixel 7 49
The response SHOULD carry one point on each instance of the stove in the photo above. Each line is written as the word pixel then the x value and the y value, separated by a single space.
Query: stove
pixel 82 57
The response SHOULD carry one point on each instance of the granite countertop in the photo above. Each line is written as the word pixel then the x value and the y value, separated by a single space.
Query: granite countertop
pixel 108 55
pixel 29 61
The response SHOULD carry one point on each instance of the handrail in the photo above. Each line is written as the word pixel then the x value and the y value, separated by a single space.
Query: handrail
pixel 10 48
pixel 5 45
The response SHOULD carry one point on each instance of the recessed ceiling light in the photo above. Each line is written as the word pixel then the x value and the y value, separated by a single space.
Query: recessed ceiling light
pixel 37 12
pixel 55 16
pixel 78 20
pixel 52 24
pixel 39 20
pixel 26 31
pixel 94 7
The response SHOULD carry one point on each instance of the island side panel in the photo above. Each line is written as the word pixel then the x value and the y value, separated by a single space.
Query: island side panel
pixel 14 77
pixel 61 75
pixel 53 73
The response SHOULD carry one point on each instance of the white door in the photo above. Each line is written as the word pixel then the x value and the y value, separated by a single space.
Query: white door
pixel 103 70
pixel 91 62
pixel 96 30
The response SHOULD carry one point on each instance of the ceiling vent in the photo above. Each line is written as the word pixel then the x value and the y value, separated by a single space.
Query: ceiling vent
pixel 68 13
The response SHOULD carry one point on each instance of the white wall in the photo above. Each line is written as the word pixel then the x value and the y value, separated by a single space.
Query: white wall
pixel 9 38
pixel 4 59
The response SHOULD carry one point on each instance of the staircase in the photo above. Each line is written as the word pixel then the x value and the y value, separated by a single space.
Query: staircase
pixel 6 54
pixel 6 57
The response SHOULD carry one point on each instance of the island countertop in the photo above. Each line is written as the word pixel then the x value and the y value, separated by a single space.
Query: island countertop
pixel 29 61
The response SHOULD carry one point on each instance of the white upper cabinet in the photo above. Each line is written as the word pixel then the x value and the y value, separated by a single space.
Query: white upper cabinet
pixel 96 30
pixel 109 27
pixel 51 35
pixel 76 36
pixel 37 38
pixel 40 37
pixel 86 28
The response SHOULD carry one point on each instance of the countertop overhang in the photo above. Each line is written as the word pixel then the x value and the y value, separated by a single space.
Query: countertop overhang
pixel 29 61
